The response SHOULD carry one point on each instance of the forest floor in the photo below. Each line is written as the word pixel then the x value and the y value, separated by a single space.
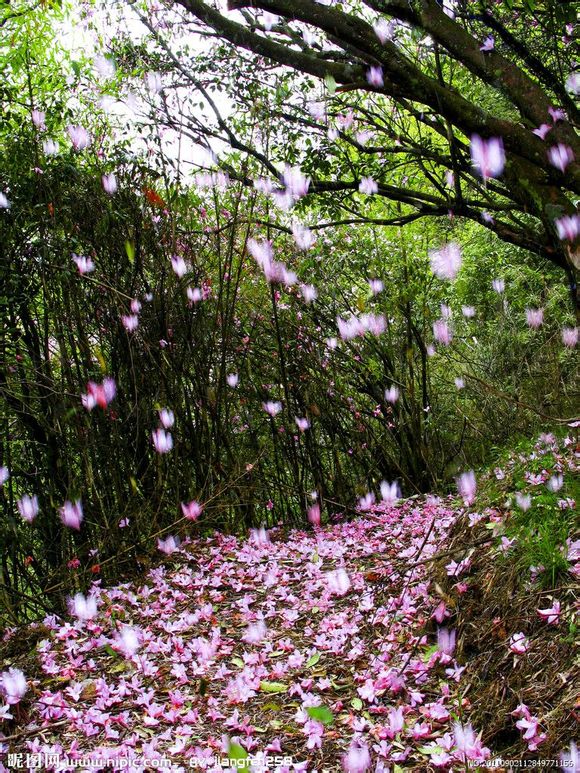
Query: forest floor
pixel 387 642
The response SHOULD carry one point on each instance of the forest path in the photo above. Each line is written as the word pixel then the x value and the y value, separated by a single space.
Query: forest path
pixel 307 648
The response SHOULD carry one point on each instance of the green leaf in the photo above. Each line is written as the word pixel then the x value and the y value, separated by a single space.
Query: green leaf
pixel 357 704
pixel 430 750
pixel 313 660
pixel 236 752
pixel 130 250
pixel 238 662
pixel 273 687
pixel 110 651
pixel 330 83
pixel 429 652
pixel 320 714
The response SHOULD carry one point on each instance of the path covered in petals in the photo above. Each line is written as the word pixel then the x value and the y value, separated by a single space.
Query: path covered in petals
pixel 320 650
pixel 236 642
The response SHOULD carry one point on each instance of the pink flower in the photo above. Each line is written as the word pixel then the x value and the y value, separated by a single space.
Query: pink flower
pixel 168 545
pixel 128 640
pixel 534 318
pixel 130 322
pixel 338 582
pixel 487 156
pixel 295 182
pixel 357 759
pixel 309 293
pixel 469 744
pixel 573 83
pixel 396 721
pixel 375 76
pixel 557 114
pixel 272 407
pixel 555 483
pixel 302 423
pixel 85 608
pixel 442 332
pixel 390 493
pixel 368 185
pixel 376 286
pixel 454 569
pixel 260 537
pixel 194 294
pixel 178 265
pixel 167 418
pixel 232 380
pixel 383 30
pixel 84 265
pixel 303 236
pixel 71 514
pixel 468 311
pixel 552 614
pixel 192 510
pixel 542 131
pixel 255 633
pixel 392 394
pixel 519 643
pixel 530 727
pixel 467 486
pixel 440 612
pixel 261 251
pixel 314 730
pixel 568 227
pixel 498 285
pixel 28 507
pixel 314 514
pixel 4 475
pixel 366 502
pixel 446 641
pixel 367 692
pixel 79 137
pixel 109 183
pixel 446 262
pixel 523 501
pixel 162 440
pixel 488 44
pixel 50 147
pixel 560 156
pixel 99 394
pixel 570 336
pixel 38 118
pixel 13 685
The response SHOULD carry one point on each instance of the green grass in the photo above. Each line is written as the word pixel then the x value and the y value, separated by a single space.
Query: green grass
pixel 541 531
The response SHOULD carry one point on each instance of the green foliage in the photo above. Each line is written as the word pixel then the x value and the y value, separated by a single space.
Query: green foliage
pixel 61 330
pixel 542 532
